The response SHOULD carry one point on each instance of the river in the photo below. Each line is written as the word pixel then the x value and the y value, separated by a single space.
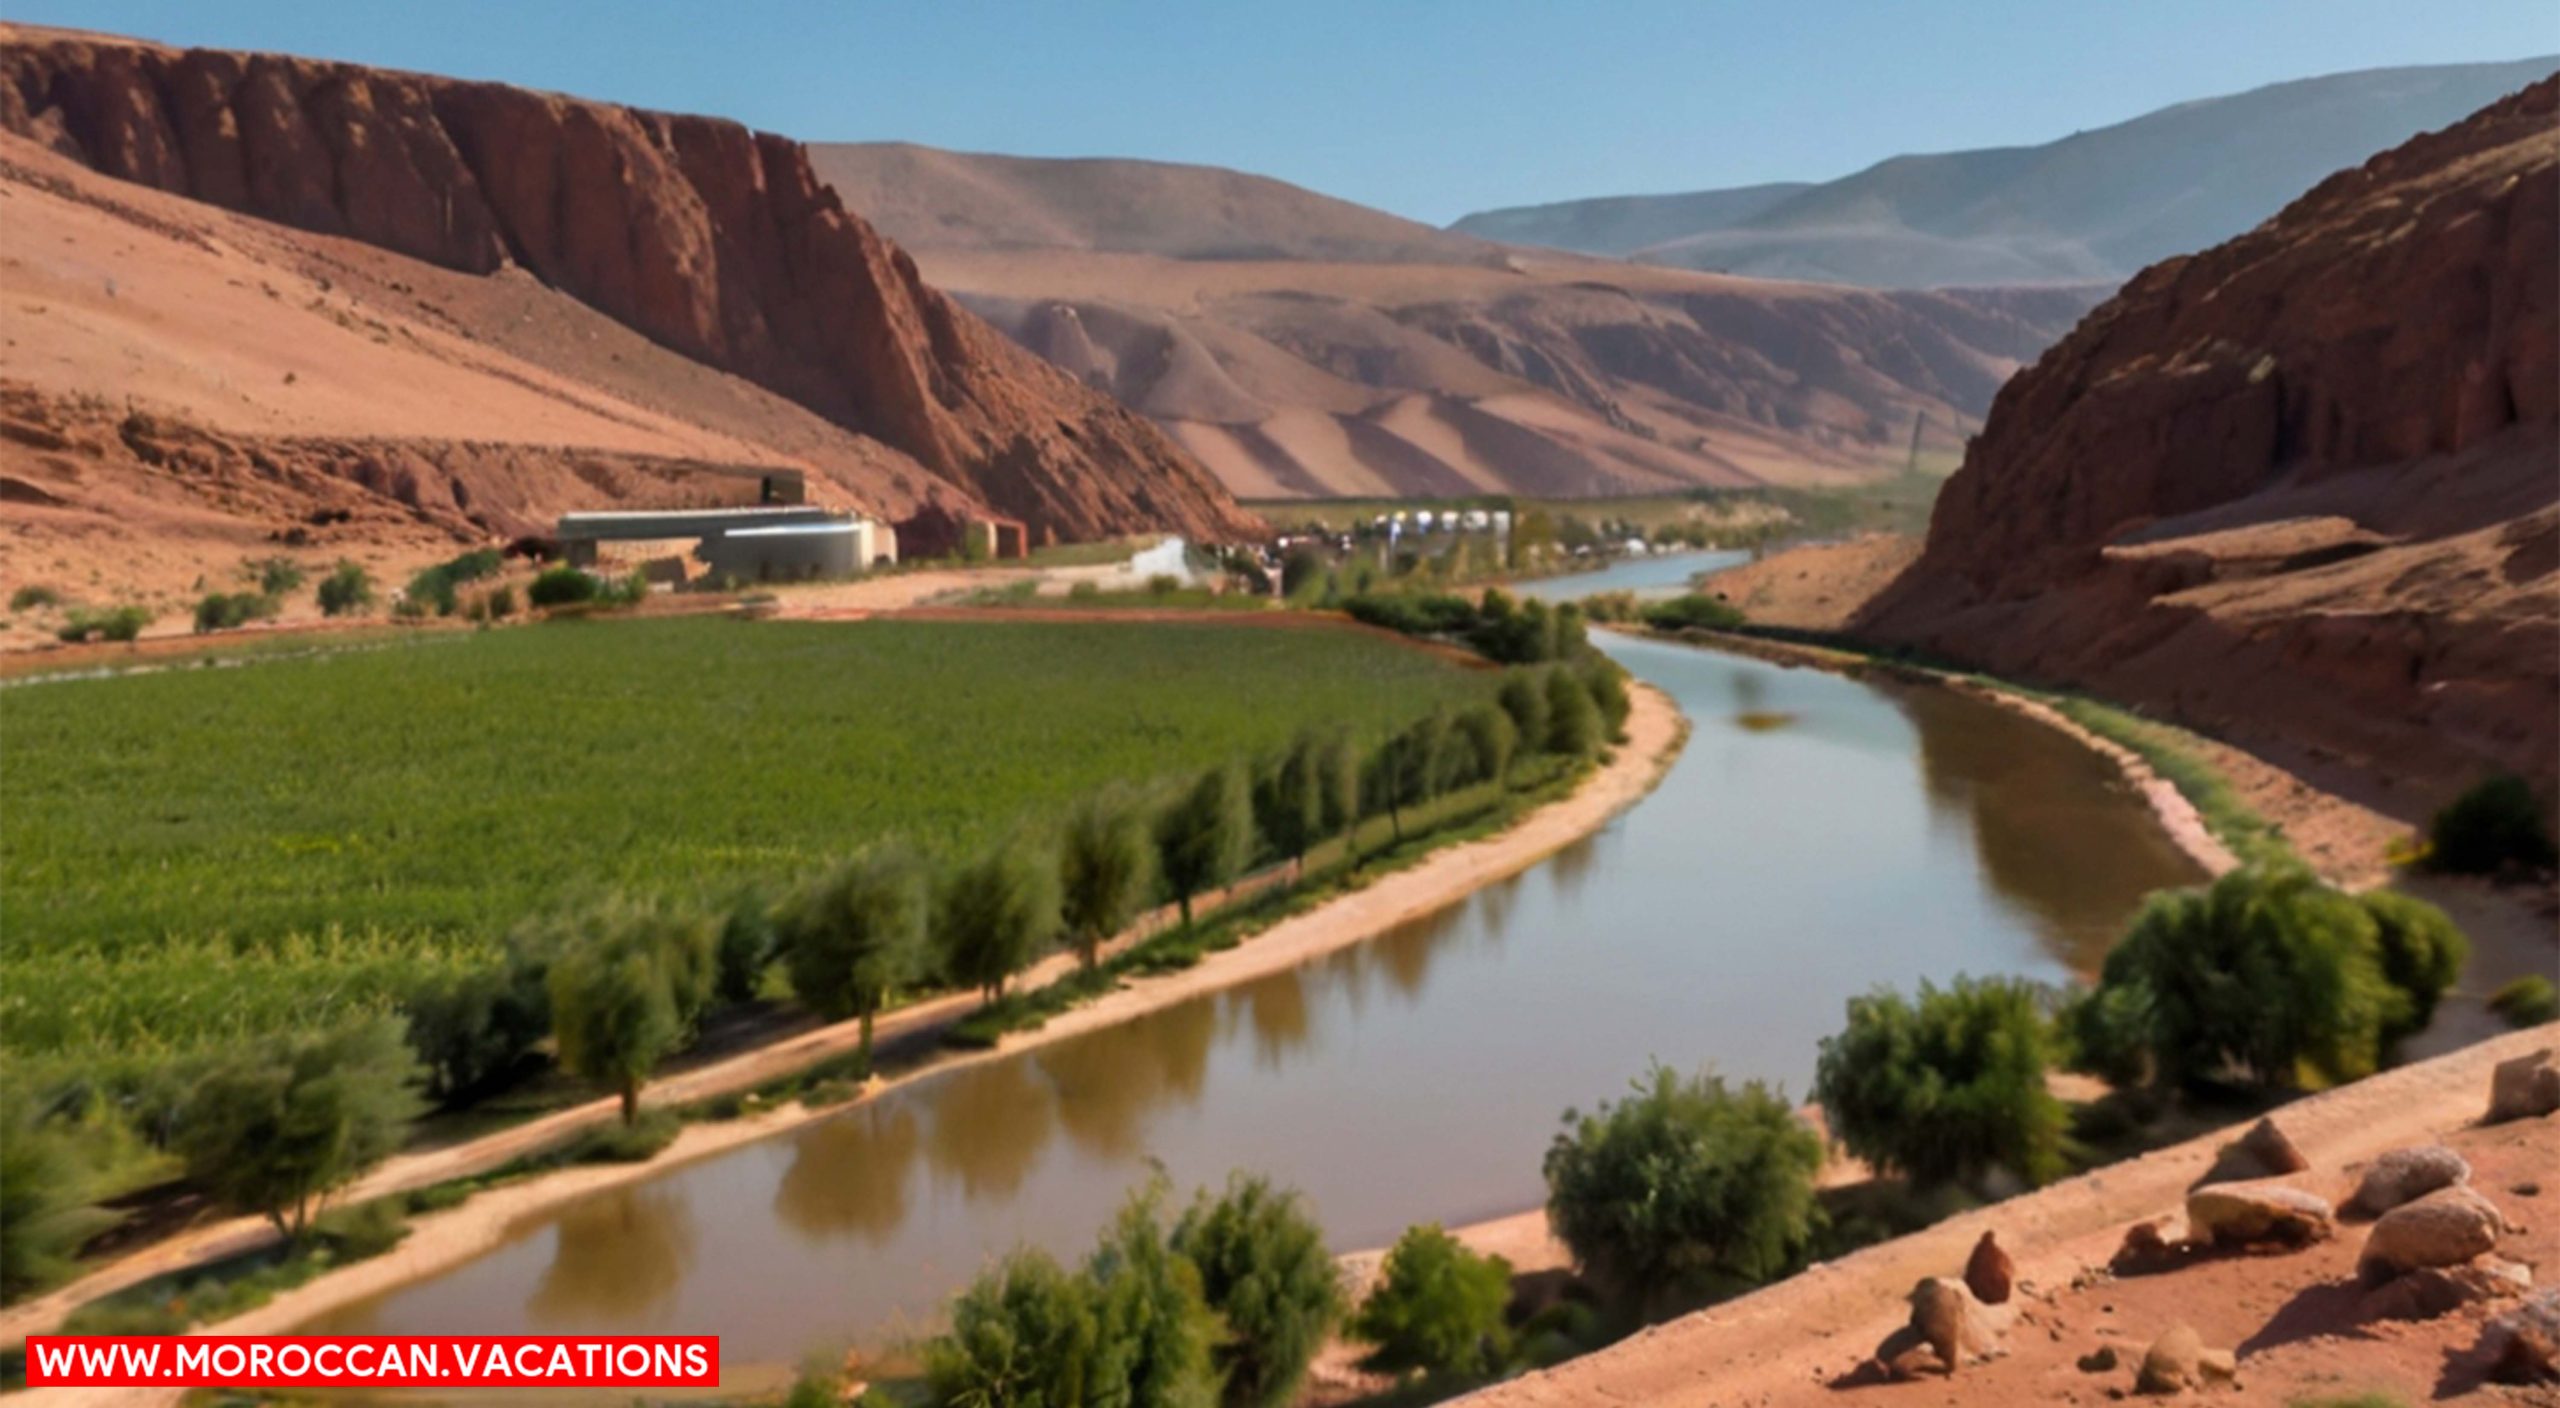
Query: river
pixel 1818 836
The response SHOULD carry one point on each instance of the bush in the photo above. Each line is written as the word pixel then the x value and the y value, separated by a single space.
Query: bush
pixel 2495 825
pixel 1573 721
pixel 1683 1179
pixel 121 624
pixel 1487 740
pixel 2528 1001
pixel 229 611
pixel 1946 1088
pixel 747 945
pixel 563 586
pixel 634 1141
pixel 47 1193
pixel 1608 687
pixel 347 590
pixel 1156 1325
pixel 2267 974
pixel 279 1126
pixel 1524 697
pixel 275 576
pixel 2105 1032
pixel 1437 1307
pixel 1026 1332
pixel 1265 1272
pixel 33 595
pixel 472 1029
pixel 1696 611
pixel 2422 955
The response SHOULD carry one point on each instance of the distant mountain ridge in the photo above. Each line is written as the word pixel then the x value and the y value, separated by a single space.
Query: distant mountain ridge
pixel 2093 206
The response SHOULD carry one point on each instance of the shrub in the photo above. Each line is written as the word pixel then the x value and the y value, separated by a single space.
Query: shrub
pixel 1288 799
pixel 116 623
pixel 1156 1325
pixel 563 586
pixel 1695 611
pixel 1573 721
pixel 997 914
pixel 1026 1332
pixel 1524 697
pixel 1944 1088
pixel 1684 1178
pixel 33 595
pixel 1437 1307
pixel 502 602
pixel 631 1141
pixel 2495 825
pixel 1608 687
pixel 275 576
pixel 2267 974
pixel 279 1126
pixel 2528 1001
pixel 472 1029
pixel 229 611
pixel 1265 1272
pixel 2105 1032
pixel 624 992
pixel 1489 739
pixel 855 935
pixel 2422 955
pixel 1106 869
pixel 747 945
pixel 47 1192
pixel 1204 837
pixel 347 590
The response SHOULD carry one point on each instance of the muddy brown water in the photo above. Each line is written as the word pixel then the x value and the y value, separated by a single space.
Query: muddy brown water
pixel 1818 836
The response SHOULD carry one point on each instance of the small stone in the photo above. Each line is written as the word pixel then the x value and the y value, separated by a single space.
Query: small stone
pixel 2247 1214
pixel 2406 1175
pixel 2525 1086
pixel 1950 1321
pixel 2445 1228
pixel 1989 1273
pixel 2172 1365
pixel 2264 1152
pixel 2101 1360
pixel 2438 1290
pixel 2524 1343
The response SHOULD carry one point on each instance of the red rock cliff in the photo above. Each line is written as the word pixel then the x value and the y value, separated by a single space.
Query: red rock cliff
pixel 2299 486
pixel 715 241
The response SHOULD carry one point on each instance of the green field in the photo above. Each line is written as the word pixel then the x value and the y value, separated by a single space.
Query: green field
pixel 197 853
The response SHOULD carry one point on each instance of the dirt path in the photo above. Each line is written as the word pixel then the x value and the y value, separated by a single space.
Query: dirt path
pixel 1655 730
pixel 1786 1344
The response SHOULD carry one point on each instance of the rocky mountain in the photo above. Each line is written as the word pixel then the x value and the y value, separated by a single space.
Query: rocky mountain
pixel 721 248
pixel 2299 487
pixel 1302 346
pixel 2093 206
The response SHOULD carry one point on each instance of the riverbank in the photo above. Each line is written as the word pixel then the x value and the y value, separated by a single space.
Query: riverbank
pixel 439 1241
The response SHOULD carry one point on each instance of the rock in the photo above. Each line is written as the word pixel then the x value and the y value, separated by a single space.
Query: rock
pixel 2175 1362
pixel 2524 1344
pixel 2525 1087
pixel 2445 1228
pixel 2101 1360
pixel 2247 1214
pixel 2436 1290
pixel 2404 1175
pixel 2143 1250
pixel 2264 1152
pixel 1989 1273
pixel 717 242
pixel 1947 1317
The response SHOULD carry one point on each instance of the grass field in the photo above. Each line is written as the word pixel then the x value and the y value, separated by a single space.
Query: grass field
pixel 196 853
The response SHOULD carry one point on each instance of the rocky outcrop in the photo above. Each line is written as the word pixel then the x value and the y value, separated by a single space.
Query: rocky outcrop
pixel 2296 487
pixel 715 241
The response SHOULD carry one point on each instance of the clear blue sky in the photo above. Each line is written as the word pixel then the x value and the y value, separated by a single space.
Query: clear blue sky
pixel 1429 108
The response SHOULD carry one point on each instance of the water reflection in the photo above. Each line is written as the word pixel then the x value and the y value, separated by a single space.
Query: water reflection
pixel 989 1122
pixel 850 1174
pixel 1106 1091
pixel 620 1256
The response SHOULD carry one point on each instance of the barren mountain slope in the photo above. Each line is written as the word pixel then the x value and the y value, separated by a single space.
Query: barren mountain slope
pixel 2093 206
pixel 1422 363
pixel 714 243
pixel 2298 488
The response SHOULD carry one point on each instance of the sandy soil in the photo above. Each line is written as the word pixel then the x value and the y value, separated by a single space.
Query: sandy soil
pixel 1655 730
pixel 2290 1317
pixel 1818 586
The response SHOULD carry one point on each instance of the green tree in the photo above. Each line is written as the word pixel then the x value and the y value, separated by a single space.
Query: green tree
pixel 1288 800
pixel 998 913
pixel 1573 721
pixel 749 939
pixel 277 1127
pixel 1337 766
pixel 1524 697
pixel 1608 688
pixel 347 590
pixel 1106 869
pixel 1203 838
pixel 1945 1088
pixel 1684 1178
pixel 473 1028
pixel 1156 1325
pixel 1024 1335
pixel 2422 953
pixel 625 988
pixel 2496 824
pixel 1265 1271
pixel 854 935
pixel 1437 1307
pixel 1488 738
pixel 47 1199
pixel 2267 974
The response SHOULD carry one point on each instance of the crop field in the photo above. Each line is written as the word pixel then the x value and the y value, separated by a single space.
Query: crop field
pixel 197 853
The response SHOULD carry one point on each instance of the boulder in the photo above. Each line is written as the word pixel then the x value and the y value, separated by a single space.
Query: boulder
pixel 2525 1087
pixel 1947 1317
pixel 2264 1152
pixel 2437 1290
pixel 1989 1273
pixel 2247 1214
pixel 2405 1175
pixel 2524 1344
pixel 2179 1361
pixel 2447 1227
